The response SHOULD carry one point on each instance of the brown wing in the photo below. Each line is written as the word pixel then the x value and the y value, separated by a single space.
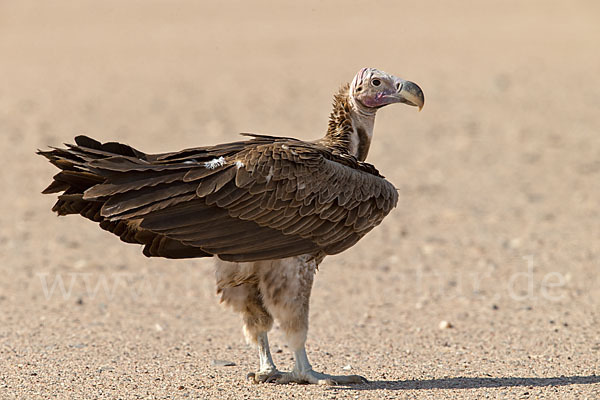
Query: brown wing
pixel 266 198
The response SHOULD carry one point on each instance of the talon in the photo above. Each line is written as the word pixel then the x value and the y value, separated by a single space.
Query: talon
pixel 268 376
pixel 273 378
pixel 283 379
pixel 327 382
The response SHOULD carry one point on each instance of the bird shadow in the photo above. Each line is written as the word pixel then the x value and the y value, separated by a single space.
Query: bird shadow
pixel 477 382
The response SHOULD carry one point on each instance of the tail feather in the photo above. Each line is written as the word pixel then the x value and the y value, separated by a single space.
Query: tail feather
pixel 109 148
pixel 177 205
pixel 93 173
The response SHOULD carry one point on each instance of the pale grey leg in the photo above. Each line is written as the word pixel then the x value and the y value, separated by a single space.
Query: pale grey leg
pixel 267 368
pixel 285 293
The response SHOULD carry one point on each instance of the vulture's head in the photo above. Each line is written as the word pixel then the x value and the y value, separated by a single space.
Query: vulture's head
pixel 374 89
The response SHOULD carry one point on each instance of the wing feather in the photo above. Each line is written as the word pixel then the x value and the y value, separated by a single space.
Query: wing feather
pixel 265 198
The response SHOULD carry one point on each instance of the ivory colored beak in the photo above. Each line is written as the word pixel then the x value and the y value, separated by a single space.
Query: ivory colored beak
pixel 411 94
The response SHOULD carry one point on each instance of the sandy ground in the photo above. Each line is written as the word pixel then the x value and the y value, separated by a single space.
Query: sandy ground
pixel 497 229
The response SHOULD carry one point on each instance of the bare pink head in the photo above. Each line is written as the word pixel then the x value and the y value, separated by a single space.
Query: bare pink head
pixel 374 89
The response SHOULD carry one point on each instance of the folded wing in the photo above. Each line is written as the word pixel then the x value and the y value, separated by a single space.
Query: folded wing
pixel 258 199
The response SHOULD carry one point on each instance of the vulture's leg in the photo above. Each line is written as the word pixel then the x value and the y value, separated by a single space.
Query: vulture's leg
pixel 267 368
pixel 246 300
pixel 285 290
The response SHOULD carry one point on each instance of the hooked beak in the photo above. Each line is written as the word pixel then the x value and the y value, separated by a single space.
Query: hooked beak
pixel 409 93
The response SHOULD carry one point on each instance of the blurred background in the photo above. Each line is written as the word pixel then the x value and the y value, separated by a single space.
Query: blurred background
pixel 497 228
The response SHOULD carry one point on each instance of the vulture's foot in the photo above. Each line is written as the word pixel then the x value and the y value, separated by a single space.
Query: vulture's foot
pixel 303 373
pixel 262 376
pixel 318 378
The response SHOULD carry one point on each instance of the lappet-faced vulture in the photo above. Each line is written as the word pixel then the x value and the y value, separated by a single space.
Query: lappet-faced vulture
pixel 268 208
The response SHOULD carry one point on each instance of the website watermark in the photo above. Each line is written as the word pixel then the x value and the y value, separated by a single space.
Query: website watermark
pixel 483 282
pixel 491 282
pixel 101 286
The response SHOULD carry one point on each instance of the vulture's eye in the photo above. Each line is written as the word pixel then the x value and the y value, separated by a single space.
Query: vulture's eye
pixel 375 82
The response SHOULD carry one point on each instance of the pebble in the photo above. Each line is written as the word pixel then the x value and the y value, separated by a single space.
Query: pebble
pixel 347 367
pixel 445 325
pixel 222 363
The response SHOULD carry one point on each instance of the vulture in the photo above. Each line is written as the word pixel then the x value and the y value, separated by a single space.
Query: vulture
pixel 268 208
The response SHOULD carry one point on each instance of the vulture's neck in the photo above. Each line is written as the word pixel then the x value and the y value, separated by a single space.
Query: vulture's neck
pixel 350 126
